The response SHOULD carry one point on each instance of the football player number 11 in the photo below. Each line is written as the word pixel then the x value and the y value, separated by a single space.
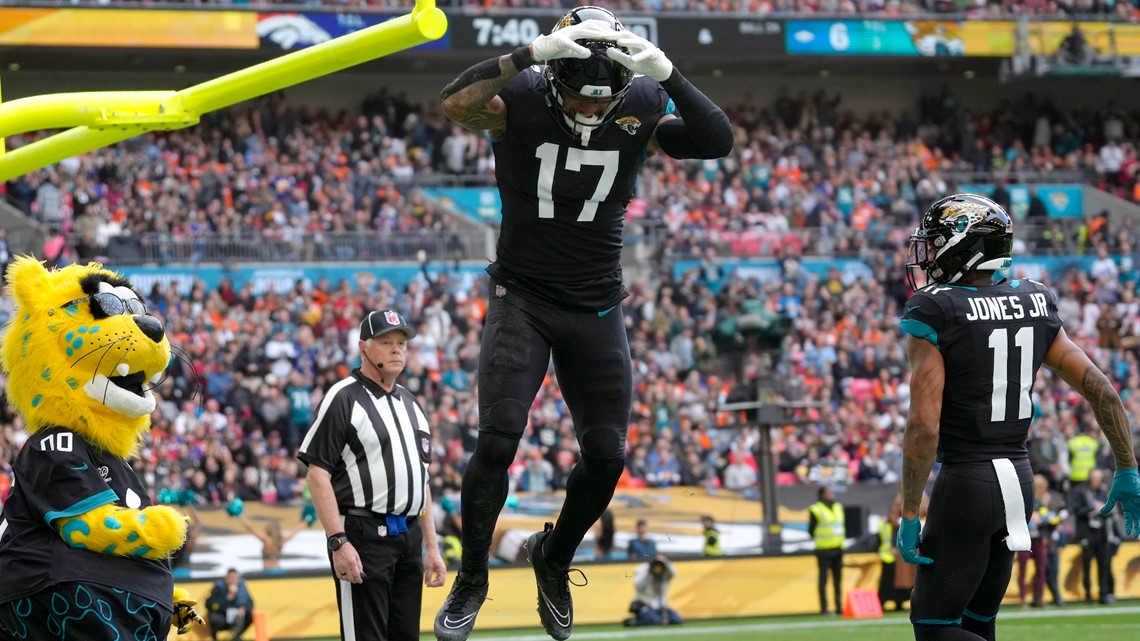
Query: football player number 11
pixel 1023 343
pixel 547 154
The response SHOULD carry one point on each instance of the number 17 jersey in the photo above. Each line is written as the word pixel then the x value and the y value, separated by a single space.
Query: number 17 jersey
pixel 564 202
pixel 993 339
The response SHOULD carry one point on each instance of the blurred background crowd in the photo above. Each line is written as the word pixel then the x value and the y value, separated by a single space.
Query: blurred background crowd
pixel 1122 9
pixel 806 178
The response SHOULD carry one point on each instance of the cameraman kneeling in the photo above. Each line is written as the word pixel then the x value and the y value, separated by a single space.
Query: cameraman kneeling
pixel 651 604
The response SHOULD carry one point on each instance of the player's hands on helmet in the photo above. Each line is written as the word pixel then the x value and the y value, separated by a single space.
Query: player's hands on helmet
pixel 184 614
pixel 1126 491
pixel 908 541
pixel 561 43
pixel 644 57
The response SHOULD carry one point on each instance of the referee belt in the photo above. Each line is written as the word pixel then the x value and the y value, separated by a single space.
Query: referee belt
pixel 394 524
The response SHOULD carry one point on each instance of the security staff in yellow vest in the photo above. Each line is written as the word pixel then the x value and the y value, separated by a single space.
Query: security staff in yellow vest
pixel 1082 456
pixel 889 584
pixel 827 527
pixel 712 537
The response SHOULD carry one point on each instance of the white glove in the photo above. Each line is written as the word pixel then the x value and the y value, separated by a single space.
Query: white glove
pixel 560 44
pixel 644 57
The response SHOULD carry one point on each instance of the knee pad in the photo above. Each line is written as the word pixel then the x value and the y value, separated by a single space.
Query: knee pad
pixel 604 444
pixel 506 418
pixel 495 450
pixel 608 469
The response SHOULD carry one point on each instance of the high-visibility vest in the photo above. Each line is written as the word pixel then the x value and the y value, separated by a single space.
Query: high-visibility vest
pixel 829 527
pixel 1082 457
pixel 886 541
pixel 712 542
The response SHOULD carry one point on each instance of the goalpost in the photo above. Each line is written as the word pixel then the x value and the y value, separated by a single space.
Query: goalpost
pixel 99 118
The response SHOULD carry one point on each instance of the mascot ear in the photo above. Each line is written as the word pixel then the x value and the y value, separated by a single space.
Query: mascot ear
pixel 28 277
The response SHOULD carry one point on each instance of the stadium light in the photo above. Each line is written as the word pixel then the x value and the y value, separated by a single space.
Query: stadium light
pixel 100 118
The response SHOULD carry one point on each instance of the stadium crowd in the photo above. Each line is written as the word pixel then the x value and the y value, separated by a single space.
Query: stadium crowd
pixel 253 366
pixel 1123 10
pixel 804 172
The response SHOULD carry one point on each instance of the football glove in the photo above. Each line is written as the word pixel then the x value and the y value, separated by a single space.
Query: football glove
pixel 908 541
pixel 1126 491
pixel 184 614
pixel 644 57
pixel 561 43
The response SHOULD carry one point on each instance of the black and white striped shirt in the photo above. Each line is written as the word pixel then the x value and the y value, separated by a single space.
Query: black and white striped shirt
pixel 376 445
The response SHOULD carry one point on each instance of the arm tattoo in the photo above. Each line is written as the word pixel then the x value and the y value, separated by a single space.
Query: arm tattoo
pixel 1110 415
pixel 1065 354
pixel 920 447
pixel 465 98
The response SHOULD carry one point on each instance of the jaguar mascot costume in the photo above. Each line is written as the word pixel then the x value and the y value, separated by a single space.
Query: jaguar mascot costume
pixel 84 555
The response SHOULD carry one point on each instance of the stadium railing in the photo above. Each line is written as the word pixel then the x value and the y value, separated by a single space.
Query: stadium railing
pixel 252 246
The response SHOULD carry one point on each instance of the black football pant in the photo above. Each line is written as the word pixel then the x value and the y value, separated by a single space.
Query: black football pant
pixel 957 598
pixel 592 363
pixel 830 561
pixel 83 611
pixel 386 605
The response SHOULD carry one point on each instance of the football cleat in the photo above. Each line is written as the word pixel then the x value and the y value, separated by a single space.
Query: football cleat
pixel 456 618
pixel 555 606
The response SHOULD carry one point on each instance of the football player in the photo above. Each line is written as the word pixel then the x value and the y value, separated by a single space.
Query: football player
pixel 572 117
pixel 974 348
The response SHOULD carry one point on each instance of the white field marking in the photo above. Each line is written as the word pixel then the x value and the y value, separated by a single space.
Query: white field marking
pixel 656 632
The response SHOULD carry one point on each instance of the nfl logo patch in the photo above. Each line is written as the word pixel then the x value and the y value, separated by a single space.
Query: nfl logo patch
pixel 500 291
pixel 392 318
pixel 425 443
pixel 382 530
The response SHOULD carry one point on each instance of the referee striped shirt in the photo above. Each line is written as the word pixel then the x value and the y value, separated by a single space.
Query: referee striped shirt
pixel 375 444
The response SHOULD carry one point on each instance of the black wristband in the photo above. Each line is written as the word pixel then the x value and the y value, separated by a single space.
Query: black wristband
pixel 522 58
pixel 333 536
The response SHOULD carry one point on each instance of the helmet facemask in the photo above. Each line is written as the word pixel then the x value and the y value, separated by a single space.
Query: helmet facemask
pixel 597 79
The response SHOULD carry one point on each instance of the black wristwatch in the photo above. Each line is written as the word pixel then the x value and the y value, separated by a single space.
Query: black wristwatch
pixel 337 541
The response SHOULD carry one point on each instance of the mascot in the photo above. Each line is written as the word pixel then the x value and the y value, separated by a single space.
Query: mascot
pixel 83 553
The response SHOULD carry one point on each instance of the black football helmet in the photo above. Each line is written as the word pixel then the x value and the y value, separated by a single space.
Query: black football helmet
pixel 594 79
pixel 957 235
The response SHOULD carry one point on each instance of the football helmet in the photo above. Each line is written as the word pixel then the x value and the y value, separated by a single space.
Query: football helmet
pixel 596 79
pixel 957 235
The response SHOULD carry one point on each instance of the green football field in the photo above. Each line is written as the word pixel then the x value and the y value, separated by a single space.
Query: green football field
pixel 1089 623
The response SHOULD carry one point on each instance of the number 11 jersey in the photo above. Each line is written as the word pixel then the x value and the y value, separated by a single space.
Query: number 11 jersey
pixel 564 202
pixel 993 339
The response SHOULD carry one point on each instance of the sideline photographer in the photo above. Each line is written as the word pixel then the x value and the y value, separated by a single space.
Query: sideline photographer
pixel 651 604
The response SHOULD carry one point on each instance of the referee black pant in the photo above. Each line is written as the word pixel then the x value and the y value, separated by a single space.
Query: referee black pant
pixel 386 605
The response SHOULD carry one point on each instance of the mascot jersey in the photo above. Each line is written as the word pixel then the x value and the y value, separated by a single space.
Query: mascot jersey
pixel 58 476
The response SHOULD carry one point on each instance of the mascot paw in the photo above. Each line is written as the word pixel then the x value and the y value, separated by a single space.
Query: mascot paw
pixel 185 616
pixel 152 533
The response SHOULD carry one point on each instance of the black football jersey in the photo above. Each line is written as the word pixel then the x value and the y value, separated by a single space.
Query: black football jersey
pixel 57 475
pixel 564 203
pixel 993 340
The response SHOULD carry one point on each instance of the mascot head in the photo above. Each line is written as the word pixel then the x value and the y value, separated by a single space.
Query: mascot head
pixel 81 352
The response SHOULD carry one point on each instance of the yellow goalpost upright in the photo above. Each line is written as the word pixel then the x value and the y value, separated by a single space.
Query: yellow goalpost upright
pixel 98 118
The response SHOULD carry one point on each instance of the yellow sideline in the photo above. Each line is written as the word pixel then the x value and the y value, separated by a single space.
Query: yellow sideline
pixel 713 588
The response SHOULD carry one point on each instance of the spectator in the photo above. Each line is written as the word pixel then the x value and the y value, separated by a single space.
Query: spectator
pixel 229 607
pixel 641 546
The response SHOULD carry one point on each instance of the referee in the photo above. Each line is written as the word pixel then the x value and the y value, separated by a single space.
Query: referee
pixel 368 452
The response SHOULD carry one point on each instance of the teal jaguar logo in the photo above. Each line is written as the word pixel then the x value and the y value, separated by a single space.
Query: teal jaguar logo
pixel 629 124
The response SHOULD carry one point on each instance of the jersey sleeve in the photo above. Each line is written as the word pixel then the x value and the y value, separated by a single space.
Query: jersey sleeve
pixel 327 436
pixel 923 318
pixel 59 476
